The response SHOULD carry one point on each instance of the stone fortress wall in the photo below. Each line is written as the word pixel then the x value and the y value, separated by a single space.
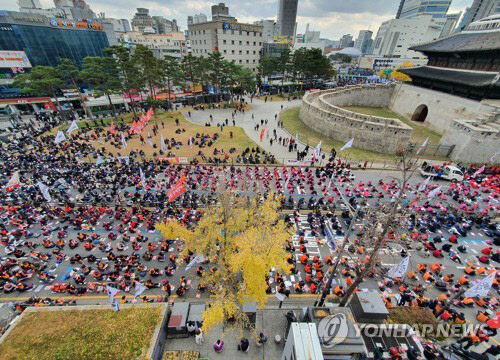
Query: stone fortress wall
pixel 322 112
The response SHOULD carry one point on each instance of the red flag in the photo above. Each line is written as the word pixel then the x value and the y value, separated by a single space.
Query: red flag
pixel 112 128
pixel 262 134
pixel 176 191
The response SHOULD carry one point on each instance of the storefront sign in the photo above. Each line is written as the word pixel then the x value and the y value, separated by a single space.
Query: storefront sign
pixel 14 59
pixel 72 24
pixel 28 18
pixel 25 101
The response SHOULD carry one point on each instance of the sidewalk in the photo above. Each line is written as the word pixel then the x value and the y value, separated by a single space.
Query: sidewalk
pixel 270 321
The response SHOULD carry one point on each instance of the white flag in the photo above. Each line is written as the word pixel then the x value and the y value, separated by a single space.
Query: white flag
pixel 59 137
pixel 434 192
pixel 347 145
pixel 100 160
pixel 150 139
pixel 481 288
pixel 143 178
pixel 14 180
pixel 331 179
pixel 44 190
pixel 424 184
pixel 124 142
pixel 422 146
pixel 400 269
pixel 139 289
pixel 72 128
pixel 481 169
pixel 494 156
pixel 163 147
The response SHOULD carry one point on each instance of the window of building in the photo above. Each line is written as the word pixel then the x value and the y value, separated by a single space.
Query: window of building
pixel 241 42
pixel 248 52
pixel 232 42
pixel 260 43
pixel 254 61
pixel 223 41
pixel 241 32
pixel 232 52
pixel 248 43
pixel 203 32
pixel 254 43
pixel 240 61
pixel 254 52
pixel 204 41
pixel 225 51
pixel 240 52
pixel 248 61
pixel 232 32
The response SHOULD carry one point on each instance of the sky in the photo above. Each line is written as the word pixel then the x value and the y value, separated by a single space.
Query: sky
pixel 333 18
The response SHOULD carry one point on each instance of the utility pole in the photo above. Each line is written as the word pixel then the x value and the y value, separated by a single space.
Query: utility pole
pixel 328 285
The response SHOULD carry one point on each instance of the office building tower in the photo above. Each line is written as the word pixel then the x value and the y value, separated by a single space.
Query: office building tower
pixel 364 41
pixel 287 17
pixel 450 24
pixel 481 9
pixel 411 9
pixel 142 21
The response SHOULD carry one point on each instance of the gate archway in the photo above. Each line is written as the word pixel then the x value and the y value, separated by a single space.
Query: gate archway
pixel 420 113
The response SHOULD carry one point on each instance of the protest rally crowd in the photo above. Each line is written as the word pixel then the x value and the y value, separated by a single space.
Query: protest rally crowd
pixel 66 201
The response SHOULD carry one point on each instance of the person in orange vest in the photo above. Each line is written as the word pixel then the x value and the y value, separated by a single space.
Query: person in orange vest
pixel 339 291
pixel 449 278
pixel 428 277
pixel 436 268
pixel 470 270
pixel 482 317
pixel 442 297
pixel 463 280
pixel 349 281
pixel 318 266
pixel 471 339
pixel 388 302
pixel 308 269
pixel 422 268
pixel 482 303
pixel 468 302
pixel 412 275
pixel 481 271
pixel 328 260
pixel 304 258
pixel 313 288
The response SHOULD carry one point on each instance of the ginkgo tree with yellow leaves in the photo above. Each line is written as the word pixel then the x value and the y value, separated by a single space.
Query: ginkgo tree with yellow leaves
pixel 244 239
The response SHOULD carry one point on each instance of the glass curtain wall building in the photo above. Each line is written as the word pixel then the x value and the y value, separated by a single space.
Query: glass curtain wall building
pixel 410 9
pixel 46 41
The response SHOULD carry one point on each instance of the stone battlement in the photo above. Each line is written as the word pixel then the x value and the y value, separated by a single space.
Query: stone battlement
pixel 323 112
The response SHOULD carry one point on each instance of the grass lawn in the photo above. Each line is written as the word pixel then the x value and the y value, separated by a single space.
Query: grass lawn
pixel 240 140
pixel 293 124
pixel 420 132
pixel 97 334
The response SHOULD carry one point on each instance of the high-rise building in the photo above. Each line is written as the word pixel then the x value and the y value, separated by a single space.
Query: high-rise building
pixel 410 9
pixel 75 9
pixel 47 40
pixel 464 20
pixel 164 26
pixel 450 24
pixel 395 37
pixel 142 21
pixel 190 20
pixel 287 17
pixel 199 18
pixel 346 41
pixel 481 9
pixel 400 8
pixel 364 41
pixel 29 4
